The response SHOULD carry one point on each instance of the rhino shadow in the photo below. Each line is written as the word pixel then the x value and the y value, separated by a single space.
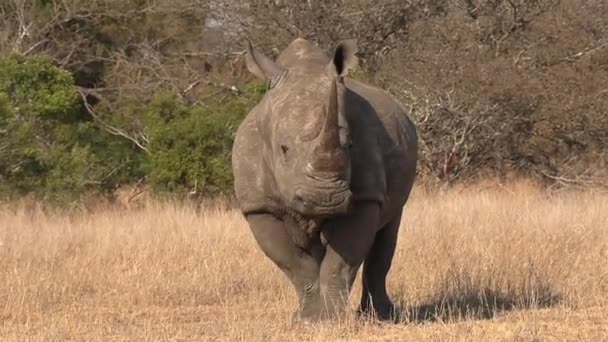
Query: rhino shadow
pixel 482 304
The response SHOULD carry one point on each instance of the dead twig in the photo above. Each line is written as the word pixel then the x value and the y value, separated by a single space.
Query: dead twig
pixel 109 128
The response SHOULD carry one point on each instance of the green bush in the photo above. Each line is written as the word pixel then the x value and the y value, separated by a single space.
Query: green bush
pixel 51 147
pixel 190 145
pixel 48 145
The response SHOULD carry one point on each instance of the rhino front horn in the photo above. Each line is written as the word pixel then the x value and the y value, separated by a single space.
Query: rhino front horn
pixel 327 156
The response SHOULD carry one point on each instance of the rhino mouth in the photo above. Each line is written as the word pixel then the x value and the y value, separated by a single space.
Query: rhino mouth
pixel 322 202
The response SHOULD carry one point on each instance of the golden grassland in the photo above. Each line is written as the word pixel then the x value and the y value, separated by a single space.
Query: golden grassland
pixel 477 264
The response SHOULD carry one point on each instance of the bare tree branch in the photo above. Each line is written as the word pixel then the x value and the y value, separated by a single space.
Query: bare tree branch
pixel 109 128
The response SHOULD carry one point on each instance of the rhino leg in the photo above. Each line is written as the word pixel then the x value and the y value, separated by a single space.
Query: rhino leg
pixel 302 268
pixel 349 240
pixel 374 297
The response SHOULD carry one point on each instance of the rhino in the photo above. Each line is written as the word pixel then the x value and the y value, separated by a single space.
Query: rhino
pixel 323 166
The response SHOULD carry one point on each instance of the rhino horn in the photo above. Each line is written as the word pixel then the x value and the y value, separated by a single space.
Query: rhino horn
pixel 326 154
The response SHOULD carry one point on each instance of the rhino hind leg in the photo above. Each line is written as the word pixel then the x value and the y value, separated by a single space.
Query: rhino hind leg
pixel 301 267
pixel 374 298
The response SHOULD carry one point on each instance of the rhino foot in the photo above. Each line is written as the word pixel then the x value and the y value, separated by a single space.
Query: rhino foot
pixel 386 312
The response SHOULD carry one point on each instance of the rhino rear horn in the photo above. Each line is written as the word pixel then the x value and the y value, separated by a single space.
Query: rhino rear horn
pixel 260 65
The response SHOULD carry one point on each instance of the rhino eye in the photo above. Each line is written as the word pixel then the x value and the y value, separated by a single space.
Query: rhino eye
pixel 284 148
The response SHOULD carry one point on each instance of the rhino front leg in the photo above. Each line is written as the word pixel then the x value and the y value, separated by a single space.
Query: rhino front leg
pixel 349 240
pixel 302 269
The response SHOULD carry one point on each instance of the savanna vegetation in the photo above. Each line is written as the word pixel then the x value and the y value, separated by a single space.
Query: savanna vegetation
pixel 102 101
pixel 96 96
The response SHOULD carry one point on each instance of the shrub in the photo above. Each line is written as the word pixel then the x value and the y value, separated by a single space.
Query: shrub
pixel 190 145
pixel 48 145
pixel 51 147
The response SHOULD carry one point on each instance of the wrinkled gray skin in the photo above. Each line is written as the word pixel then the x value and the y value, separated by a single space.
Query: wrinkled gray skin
pixel 323 166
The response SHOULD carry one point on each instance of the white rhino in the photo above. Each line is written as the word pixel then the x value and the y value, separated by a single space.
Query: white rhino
pixel 323 167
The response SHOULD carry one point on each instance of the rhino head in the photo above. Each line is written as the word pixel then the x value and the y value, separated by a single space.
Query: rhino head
pixel 306 137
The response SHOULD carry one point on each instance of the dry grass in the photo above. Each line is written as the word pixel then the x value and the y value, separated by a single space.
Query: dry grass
pixel 492 264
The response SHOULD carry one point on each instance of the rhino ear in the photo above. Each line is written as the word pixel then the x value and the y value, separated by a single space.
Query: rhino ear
pixel 344 57
pixel 260 65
